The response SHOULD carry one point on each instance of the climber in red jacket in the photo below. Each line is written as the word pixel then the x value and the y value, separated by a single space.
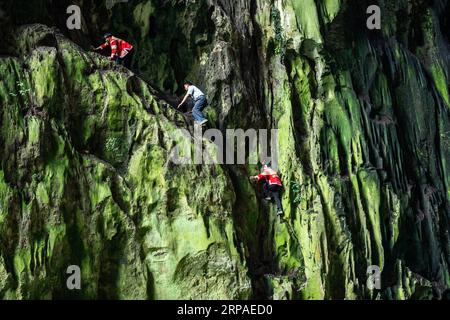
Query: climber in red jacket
pixel 121 51
pixel 272 186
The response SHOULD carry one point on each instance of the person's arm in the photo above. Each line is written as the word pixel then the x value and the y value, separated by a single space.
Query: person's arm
pixel 114 49
pixel 101 47
pixel 258 178
pixel 184 100
pixel 261 176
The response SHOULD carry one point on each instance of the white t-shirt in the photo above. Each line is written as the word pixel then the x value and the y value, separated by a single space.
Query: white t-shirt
pixel 195 92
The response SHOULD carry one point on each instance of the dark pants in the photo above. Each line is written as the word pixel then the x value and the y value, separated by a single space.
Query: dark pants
pixel 126 61
pixel 273 191
pixel 199 105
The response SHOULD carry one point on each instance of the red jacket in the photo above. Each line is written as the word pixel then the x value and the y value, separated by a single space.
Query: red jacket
pixel 271 176
pixel 119 47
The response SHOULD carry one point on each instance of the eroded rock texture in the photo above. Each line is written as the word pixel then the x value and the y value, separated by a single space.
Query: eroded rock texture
pixel 364 140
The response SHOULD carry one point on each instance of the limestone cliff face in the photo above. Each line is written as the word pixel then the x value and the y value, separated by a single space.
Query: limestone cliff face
pixel 364 140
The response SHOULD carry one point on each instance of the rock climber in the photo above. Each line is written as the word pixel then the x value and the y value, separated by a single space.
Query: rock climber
pixel 121 51
pixel 272 186
pixel 199 102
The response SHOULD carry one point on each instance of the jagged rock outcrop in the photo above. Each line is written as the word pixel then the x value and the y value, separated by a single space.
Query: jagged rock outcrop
pixel 86 182
pixel 363 120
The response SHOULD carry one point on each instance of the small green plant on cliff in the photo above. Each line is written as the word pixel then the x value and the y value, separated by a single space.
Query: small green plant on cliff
pixel 112 145
pixel 114 150
pixel 279 39
pixel 22 91
pixel 296 191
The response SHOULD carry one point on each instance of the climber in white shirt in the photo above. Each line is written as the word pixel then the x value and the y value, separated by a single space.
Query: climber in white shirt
pixel 199 102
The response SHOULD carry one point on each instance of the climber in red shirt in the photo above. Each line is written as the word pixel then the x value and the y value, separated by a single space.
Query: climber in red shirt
pixel 272 186
pixel 121 51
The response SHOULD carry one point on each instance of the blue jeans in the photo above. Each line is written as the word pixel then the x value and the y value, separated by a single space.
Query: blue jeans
pixel 273 191
pixel 199 104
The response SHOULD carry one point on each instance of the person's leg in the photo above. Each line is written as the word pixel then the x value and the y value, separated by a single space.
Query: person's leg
pixel 266 192
pixel 202 106
pixel 128 59
pixel 196 111
pixel 275 191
